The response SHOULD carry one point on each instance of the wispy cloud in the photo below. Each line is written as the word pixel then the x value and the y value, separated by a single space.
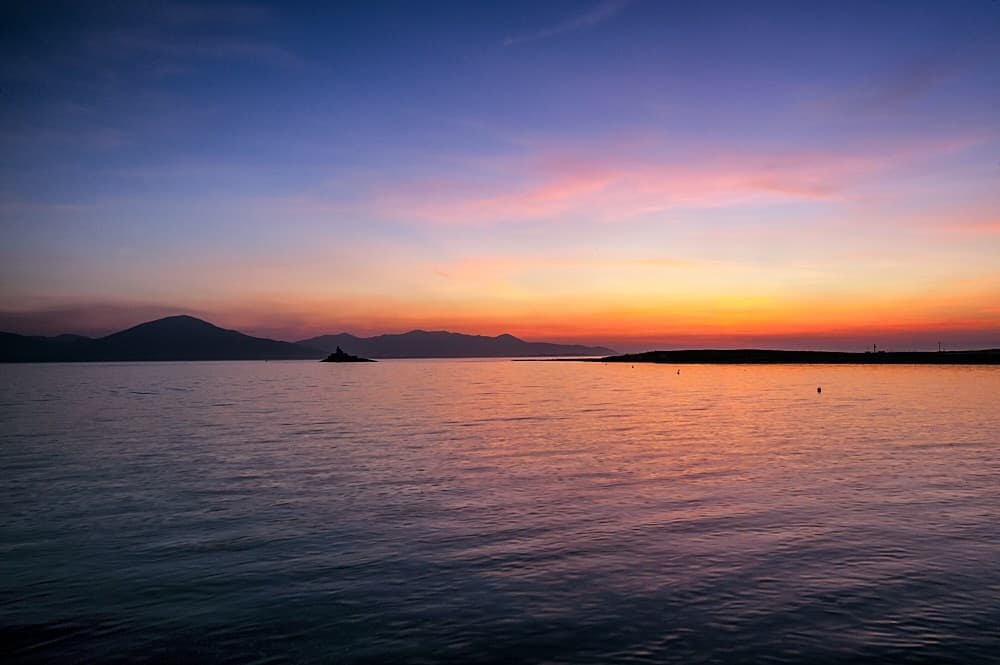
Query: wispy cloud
pixel 598 13
pixel 900 87
pixel 606 191
pixel 11 209
pixel 484 268
pixel 91 138
pixel 982 226
pixel 189 13
pixel 908 83
pixel 220 48
pixel 608 186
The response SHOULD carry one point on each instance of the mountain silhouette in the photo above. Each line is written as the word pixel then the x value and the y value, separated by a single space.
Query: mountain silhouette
pixel 442 344
pixel 25 348
pixel 171 338
pixel 189 338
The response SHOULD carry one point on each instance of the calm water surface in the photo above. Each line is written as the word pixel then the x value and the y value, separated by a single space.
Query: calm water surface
pixel 499 512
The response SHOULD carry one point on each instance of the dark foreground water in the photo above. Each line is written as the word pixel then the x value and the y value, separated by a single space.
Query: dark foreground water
pixel 499 512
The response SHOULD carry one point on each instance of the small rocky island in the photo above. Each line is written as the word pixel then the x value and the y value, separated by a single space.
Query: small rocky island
pixel 339 356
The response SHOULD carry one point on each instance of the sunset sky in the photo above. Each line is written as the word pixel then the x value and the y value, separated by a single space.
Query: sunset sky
pixel 641 174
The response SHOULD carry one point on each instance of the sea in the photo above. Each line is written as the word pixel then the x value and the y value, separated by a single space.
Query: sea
pixel 493 511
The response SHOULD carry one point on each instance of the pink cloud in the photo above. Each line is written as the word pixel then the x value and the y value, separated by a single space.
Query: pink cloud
pixel 985 227
pixel 609 188
pixel 606 193
pixel 957 219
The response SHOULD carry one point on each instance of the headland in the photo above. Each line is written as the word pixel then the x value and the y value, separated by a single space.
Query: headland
pixel 767 356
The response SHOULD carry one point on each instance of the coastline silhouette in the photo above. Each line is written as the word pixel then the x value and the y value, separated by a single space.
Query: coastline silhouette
pixel 767 356
pixel 444 344
pixel 188 338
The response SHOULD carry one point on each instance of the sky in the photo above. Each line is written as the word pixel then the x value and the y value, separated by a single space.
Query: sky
pixel 641 174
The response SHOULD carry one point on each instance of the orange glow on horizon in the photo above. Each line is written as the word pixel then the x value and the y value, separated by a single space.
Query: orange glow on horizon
pixel 611 321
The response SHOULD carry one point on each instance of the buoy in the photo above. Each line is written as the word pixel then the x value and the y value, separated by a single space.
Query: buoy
pixel 819 390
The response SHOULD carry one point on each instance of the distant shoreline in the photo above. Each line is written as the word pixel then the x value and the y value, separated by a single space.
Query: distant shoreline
pixel 767 357
pixel 184 337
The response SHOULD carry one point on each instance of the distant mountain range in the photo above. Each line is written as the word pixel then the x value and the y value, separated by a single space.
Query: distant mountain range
pixel 441 344
pixel 172 338
pixel 189 338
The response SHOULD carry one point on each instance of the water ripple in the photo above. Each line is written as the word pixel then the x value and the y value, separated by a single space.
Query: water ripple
pixel 498 512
